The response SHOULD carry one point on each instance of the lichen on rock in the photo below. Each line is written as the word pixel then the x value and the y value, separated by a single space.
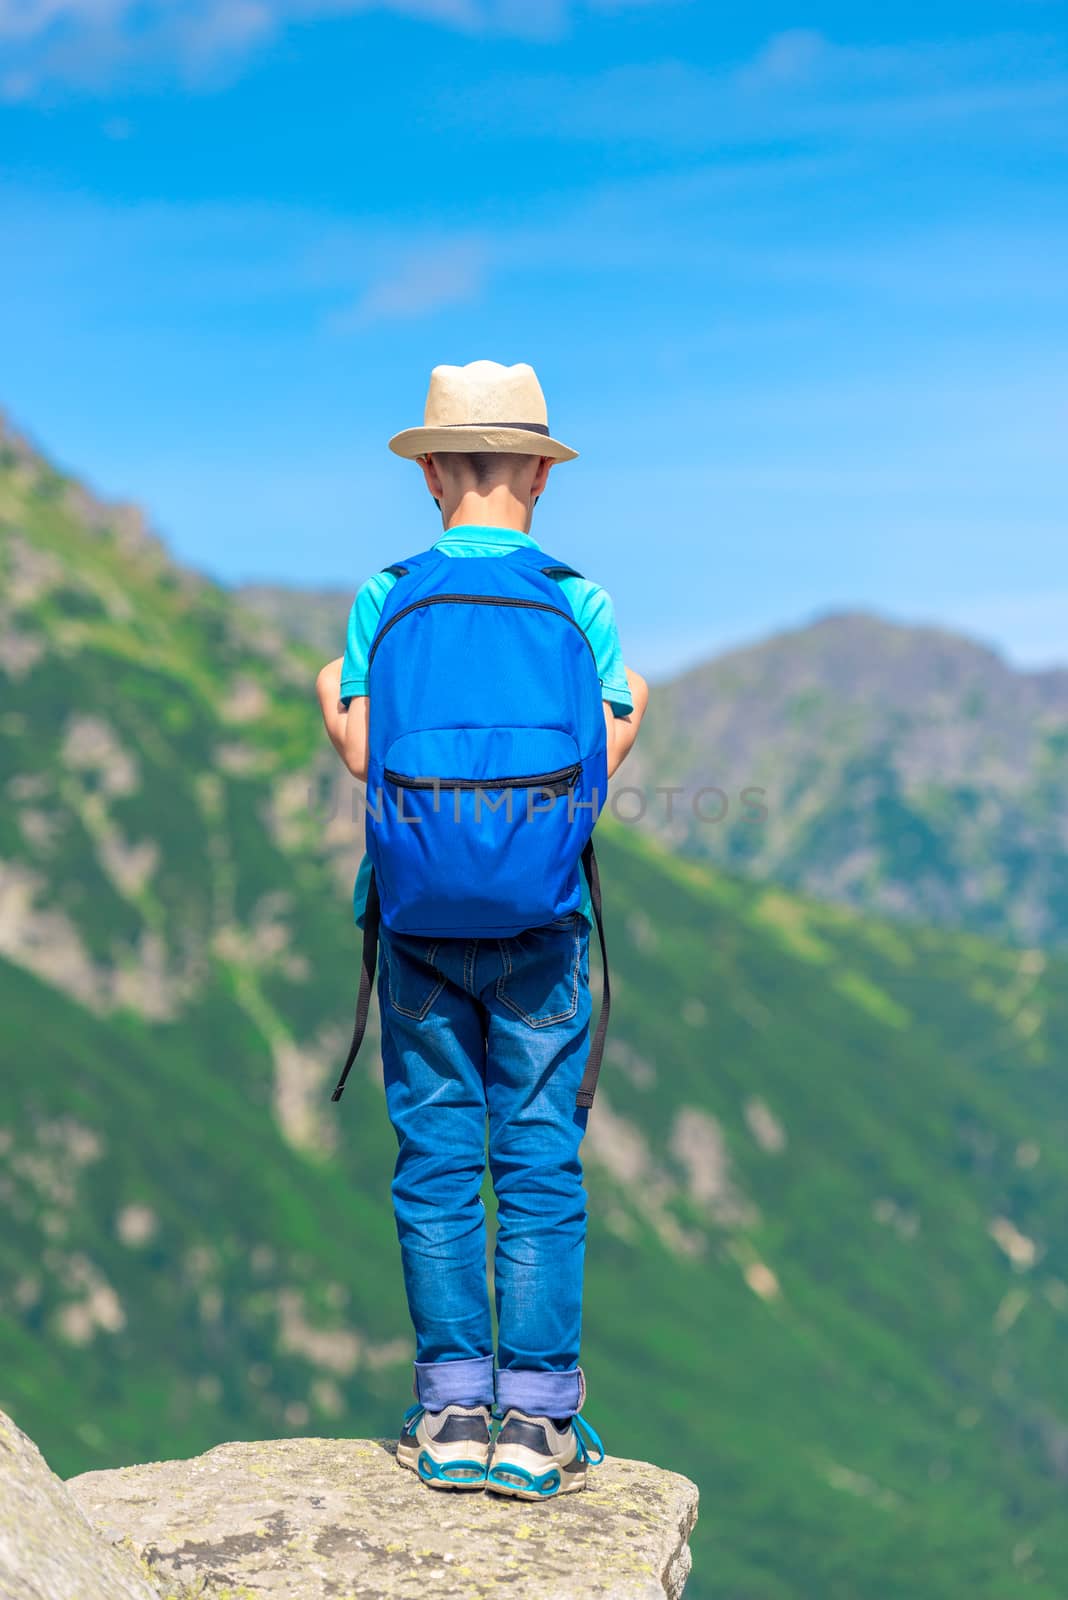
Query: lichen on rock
pixel 338 1519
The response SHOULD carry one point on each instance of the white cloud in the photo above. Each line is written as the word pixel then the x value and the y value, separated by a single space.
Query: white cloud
pixel 800 81
pixel 89 44
pixel 419 284
pixel 29 19
pixel 799 84
pixel 789 57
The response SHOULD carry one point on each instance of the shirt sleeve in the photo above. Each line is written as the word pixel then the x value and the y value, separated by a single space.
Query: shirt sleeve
pixel 596 616
pixel 363 620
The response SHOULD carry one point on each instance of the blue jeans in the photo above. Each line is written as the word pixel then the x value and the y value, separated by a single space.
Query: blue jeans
pixel 497 1028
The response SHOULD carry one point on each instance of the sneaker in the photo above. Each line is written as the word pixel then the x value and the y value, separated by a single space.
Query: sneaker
pixel 448 1449
pixel 535 1458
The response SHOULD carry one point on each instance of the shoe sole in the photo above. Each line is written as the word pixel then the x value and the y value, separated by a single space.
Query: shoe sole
pixel 570 1483
pixel 408 1456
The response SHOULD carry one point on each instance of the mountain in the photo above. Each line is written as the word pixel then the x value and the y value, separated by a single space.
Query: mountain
pixel 312 617
pixel 903 770
pixel 827 1267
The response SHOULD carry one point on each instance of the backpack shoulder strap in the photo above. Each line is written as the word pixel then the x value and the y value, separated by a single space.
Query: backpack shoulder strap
pixel 424 558
pixel 588 1086
pixel 368 963
pixel 530 556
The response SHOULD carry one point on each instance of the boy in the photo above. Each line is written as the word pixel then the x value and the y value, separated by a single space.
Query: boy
pixel 487 1025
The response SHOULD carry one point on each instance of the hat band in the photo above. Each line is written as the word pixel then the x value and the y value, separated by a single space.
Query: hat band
pixel 525 427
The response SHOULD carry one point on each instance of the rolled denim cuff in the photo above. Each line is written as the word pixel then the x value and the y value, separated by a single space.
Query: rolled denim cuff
pixel 541 1394
pixel 467 1382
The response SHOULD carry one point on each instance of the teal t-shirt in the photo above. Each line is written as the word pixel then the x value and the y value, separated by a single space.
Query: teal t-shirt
pixel 590 604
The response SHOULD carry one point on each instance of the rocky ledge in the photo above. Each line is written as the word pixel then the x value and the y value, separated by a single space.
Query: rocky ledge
pixel 48 1548
pixel 330 1519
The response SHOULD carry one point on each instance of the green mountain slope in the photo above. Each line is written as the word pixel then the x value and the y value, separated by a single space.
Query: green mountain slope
pixel 904 770
pixel 828 1252
pixel 312 617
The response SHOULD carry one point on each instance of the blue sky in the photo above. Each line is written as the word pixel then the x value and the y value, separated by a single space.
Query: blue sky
pixel 795 281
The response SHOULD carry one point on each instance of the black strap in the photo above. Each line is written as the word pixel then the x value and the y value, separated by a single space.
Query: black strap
pixel 593 1061
pixel 368 963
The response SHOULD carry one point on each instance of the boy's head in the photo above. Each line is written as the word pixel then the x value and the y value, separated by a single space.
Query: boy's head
pixel 485 441
pixel 485 435
pixel 505 479
pixel 483 409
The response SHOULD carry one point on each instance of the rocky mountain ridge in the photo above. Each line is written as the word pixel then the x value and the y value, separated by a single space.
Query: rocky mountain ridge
pixel 315 618
pixel 312 1519
pixel 898 768
pixel 826 1267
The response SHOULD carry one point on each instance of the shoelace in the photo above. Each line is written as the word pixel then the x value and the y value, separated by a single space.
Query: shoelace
pixel 585 1434
pixel 582 1427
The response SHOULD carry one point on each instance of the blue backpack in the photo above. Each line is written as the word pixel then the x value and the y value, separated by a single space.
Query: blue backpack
pixel 487 762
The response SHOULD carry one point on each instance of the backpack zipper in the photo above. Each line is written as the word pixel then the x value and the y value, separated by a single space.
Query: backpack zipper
pixel 475 600
pixel 558 782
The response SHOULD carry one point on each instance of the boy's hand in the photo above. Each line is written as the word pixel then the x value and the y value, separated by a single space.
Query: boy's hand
pixel 347 729
pixel 622 731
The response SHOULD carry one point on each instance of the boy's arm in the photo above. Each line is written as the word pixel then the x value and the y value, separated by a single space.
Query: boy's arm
pixel 328 693
pixel 624 692
pixel 623 730
pixel 345 720
pixel 341 686
pixel 354 754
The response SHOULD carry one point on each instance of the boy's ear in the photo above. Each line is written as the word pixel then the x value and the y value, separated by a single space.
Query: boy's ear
pixel 537 488
pixel 432 476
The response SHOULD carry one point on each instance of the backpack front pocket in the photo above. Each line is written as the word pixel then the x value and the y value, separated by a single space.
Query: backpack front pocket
pixel 480 830
pixel 535 784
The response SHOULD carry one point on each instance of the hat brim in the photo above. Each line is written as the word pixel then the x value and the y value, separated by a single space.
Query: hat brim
pixel 415 442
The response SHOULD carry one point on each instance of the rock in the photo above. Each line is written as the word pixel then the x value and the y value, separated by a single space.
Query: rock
pixel 48 1551
pixel 338 1519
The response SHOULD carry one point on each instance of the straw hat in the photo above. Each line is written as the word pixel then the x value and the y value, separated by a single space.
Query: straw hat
pixel 483 406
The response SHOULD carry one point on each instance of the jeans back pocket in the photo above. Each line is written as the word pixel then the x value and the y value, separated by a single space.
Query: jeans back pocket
pixel 544 971
pixel 413 982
